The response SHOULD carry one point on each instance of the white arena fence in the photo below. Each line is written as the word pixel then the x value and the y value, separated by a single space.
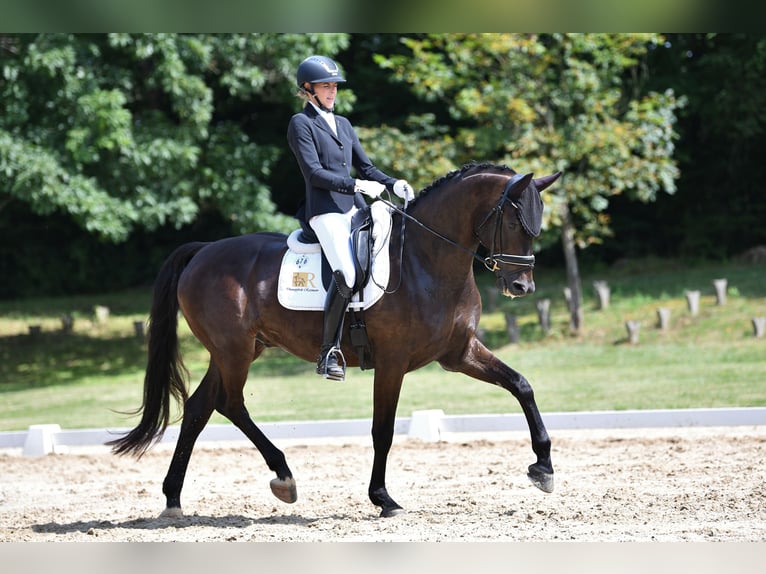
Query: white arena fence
pixel 429 425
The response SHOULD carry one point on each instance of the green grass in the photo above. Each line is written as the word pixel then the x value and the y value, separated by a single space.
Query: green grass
pixel 88 378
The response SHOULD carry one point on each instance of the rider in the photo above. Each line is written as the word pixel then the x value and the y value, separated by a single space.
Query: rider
pixel 326 147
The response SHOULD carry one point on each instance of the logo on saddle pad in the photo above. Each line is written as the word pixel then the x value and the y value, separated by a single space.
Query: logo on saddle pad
pixel 300 285
pixel 303 280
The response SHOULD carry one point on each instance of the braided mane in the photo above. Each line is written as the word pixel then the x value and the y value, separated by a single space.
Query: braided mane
pixel 458 174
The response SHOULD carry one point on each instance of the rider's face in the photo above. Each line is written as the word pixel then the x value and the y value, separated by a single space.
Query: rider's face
pixel 326 92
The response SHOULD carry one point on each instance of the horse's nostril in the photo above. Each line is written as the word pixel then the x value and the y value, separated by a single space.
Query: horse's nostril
pixel 523 287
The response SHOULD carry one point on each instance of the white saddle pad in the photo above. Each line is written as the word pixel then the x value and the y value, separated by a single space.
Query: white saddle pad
pixel 300 276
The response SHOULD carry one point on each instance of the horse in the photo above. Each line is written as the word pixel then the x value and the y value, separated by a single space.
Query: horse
pixel 227 292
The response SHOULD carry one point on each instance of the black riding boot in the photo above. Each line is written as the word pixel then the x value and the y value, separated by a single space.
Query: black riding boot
pixel 335 306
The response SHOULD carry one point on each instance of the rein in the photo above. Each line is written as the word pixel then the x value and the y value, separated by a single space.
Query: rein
pixel 493 261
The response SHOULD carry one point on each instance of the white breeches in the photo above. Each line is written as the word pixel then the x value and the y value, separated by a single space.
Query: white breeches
pixel 334 233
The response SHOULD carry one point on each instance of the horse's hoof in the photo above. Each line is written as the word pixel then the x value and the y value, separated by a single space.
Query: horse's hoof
pixel 174 512
pixel 542 480
pixel 389 512
pixel 284 489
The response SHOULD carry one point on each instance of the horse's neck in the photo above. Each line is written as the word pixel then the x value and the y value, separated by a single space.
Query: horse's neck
pixel 452 213
pixel 449 257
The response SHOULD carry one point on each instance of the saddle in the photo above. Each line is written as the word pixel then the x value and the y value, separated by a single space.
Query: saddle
pixel 361 247
pixel 305 274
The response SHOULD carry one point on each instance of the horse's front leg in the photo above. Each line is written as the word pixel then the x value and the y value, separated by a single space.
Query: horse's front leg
pixel 385 400
pixel 480 363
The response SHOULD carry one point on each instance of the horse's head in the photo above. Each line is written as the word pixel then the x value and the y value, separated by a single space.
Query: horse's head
pixel 508 231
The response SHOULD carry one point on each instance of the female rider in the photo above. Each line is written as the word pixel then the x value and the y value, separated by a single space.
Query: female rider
pixel 327 147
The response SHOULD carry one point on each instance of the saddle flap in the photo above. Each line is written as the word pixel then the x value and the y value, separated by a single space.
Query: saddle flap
pixel 361 244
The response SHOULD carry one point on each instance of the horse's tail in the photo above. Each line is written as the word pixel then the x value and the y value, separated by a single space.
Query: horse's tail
pixel 166 374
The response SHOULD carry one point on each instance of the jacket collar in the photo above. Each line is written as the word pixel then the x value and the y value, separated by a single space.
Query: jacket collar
pixel 312 112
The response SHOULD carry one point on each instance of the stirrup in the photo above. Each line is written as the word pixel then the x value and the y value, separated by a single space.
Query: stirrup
pixel 332 369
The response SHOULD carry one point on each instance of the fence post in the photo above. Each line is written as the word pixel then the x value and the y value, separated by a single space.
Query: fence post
pixel 720 290
pixel 603 292
pixel 568 298
pixel 491 293
pixel 693 301
pixel 544 314
pixel 138 327
pixel 663 318
pixel 102 313
pixel 67 323
pixel 759 326
pixel 511 327
pixel 633 328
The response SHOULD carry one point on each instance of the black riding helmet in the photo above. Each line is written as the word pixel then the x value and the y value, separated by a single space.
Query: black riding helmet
pixel 315 69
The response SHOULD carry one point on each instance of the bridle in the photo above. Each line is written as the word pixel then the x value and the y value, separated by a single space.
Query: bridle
pixel 493 261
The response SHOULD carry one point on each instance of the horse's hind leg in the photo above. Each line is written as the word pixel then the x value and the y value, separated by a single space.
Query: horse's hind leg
pixel 197 411
pixel 283 486
pixel 231 404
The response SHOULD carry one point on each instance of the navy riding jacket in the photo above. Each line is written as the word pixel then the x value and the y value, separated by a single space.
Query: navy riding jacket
pixel 326 159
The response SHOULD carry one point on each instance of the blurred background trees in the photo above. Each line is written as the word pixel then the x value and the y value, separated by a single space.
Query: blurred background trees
pixel 558 102
pixel 115 148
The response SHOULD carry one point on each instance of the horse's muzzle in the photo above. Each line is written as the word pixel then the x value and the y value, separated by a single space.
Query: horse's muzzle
pixel 516 287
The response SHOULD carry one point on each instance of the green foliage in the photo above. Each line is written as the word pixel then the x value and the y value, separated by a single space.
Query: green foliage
pixel 402 150
pixel 133 137
pixel 719 208
pixel 552 102
pixel 127 131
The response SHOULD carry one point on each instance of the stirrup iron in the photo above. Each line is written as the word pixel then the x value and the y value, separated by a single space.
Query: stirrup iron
pixel 335 360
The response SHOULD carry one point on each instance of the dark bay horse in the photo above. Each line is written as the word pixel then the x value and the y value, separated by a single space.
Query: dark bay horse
pixel 227 291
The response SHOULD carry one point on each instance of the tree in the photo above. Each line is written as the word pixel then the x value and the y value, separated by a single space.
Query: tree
pixel 541 103
pixel 719 208
pixel 124 131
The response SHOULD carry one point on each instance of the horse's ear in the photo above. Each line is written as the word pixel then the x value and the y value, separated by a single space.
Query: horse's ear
pixel 517 184
pixel 543 182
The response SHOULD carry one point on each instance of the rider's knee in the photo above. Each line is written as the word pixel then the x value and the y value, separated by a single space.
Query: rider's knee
pixel 342 284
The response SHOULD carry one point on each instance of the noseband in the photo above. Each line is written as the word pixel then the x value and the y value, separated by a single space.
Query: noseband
pixel 495 260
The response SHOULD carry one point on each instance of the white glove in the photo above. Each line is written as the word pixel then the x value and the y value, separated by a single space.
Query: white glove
pixel 403 190
pixel 371 188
